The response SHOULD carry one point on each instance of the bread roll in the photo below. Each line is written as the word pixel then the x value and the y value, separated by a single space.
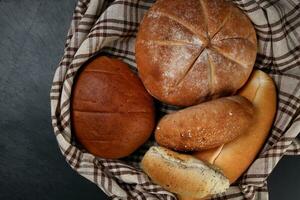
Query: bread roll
pixel 191 51
pixel 235 157
pixel 112 114
pixel 183 174
pixel 206 125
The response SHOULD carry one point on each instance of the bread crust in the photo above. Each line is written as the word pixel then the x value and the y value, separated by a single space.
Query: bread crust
pixel 206 125
pixel 182 174
pixel 235 157
pixel 191 51
pixel 112 113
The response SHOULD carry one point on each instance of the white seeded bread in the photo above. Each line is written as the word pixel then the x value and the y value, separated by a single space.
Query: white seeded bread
pixel 183 174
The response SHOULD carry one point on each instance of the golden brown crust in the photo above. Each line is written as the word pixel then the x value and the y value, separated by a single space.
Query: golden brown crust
pixel 191 51
pixel 182 174
pixel 236 156
pixel 112 114
pixel 206 125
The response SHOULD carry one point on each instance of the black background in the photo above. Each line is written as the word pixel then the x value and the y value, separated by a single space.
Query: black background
pixel 32 35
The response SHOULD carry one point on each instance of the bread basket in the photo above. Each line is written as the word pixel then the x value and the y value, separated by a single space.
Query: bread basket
pixel 110 27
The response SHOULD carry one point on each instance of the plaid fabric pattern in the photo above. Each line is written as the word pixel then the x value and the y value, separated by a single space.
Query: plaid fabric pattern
pixel 107 26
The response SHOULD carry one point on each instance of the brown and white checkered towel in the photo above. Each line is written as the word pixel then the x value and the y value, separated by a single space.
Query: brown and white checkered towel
pixel 107 26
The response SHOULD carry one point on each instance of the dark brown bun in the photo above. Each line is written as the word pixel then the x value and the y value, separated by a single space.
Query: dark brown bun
pixel 206 125
pixel 112 113
pixel 192 51
pixel 183 174
pixel 236 156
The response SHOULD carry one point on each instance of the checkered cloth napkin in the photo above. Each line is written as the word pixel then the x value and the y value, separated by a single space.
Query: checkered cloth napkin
pixel 110 27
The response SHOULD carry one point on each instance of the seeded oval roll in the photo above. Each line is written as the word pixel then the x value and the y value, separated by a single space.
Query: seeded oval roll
pixel 206 125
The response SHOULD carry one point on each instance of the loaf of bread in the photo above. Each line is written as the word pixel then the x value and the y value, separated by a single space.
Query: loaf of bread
pixel 191 51
pixel 112 113
pixel 183 174
pixel 204 126
pixel 236 156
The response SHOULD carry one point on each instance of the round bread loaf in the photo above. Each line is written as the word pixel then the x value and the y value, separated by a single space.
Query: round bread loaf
pixel 206 125
pixel 191 51
pixel 236 156
pixel 183 174
pixel 112 113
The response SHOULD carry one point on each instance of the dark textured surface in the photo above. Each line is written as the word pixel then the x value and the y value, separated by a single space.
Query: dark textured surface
pixel 31 167
pixel 32 36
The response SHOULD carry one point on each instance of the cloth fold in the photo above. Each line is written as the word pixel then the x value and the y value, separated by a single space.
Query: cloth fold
pixel 110 27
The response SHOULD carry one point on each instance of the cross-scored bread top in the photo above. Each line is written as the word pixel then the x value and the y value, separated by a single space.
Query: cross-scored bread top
pixel 191 51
